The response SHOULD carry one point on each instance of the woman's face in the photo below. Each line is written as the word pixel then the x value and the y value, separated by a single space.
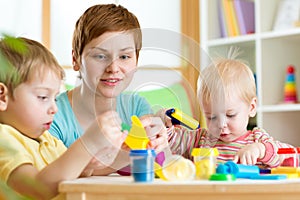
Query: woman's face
pixel 108 63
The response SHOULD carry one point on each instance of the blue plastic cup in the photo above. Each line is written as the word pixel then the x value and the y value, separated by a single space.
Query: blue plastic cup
pixel 142 165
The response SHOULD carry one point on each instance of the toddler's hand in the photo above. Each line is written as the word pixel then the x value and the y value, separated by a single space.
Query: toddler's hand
pixel 157 133
pixel 166 119
pixel 250 154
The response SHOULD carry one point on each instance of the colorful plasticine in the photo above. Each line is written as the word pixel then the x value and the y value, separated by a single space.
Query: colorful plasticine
pixel 246 171
pixel 239 170
pixel 269 177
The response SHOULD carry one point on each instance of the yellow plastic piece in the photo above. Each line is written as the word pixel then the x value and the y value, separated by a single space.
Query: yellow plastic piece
pixel 289 171
pixel 137 137
pixel 185 119
pixel 291 176
pixel 158 171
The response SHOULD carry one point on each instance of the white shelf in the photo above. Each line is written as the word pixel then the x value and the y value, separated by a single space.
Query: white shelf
pixel 280 108
pixel 281 34
pixel 268 53
pixel 231 40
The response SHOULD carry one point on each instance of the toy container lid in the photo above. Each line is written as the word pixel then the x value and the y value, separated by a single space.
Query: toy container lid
pixel 205 152
pixel 222 177
pixel 287 150
pixel 142 152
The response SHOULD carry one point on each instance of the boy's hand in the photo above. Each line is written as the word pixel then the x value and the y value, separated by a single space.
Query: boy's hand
pixel 122 159
pixel 250 154
pixel 103 138
pixel 94 164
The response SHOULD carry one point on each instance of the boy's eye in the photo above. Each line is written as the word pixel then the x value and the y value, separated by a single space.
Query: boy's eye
pixel 42 98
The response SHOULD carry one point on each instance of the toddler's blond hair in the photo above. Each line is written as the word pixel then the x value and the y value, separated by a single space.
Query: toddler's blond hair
pixel 224 77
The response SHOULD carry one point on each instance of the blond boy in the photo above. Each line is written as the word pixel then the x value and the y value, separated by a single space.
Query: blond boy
pixel 32 161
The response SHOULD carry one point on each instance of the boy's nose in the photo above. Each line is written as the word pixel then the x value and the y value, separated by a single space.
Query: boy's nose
pixel 53 108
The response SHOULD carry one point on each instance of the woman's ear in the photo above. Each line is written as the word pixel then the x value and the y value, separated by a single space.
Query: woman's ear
pixel 253 106
pixel 3 97
pixel 74 62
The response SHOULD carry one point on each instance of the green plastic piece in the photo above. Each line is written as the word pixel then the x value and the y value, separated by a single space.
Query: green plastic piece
pixel 222 177
pixel 125 127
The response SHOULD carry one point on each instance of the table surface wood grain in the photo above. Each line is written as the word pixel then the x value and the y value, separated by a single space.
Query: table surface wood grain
pixel 124 188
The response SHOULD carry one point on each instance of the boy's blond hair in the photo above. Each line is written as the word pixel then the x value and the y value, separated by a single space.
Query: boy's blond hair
pixel 224 77
pixel 23 58
pixel 102 18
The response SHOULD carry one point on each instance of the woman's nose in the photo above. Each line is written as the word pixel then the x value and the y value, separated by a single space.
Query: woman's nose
pixel 113 67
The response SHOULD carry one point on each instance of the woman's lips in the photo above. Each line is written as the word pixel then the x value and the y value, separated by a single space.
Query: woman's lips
pixel 111 82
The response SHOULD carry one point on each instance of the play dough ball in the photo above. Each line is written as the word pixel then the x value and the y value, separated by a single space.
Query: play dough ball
pixel 177 168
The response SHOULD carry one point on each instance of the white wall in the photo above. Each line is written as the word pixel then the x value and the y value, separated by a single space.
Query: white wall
pixel 159 19
pixel 151 14
pixel 21 18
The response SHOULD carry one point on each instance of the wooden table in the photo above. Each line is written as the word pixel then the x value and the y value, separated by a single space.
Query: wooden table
pixel 123 188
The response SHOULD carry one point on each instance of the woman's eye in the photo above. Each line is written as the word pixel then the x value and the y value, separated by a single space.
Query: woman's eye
pixel 101 56
pixel 124 57
pixel 211 118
